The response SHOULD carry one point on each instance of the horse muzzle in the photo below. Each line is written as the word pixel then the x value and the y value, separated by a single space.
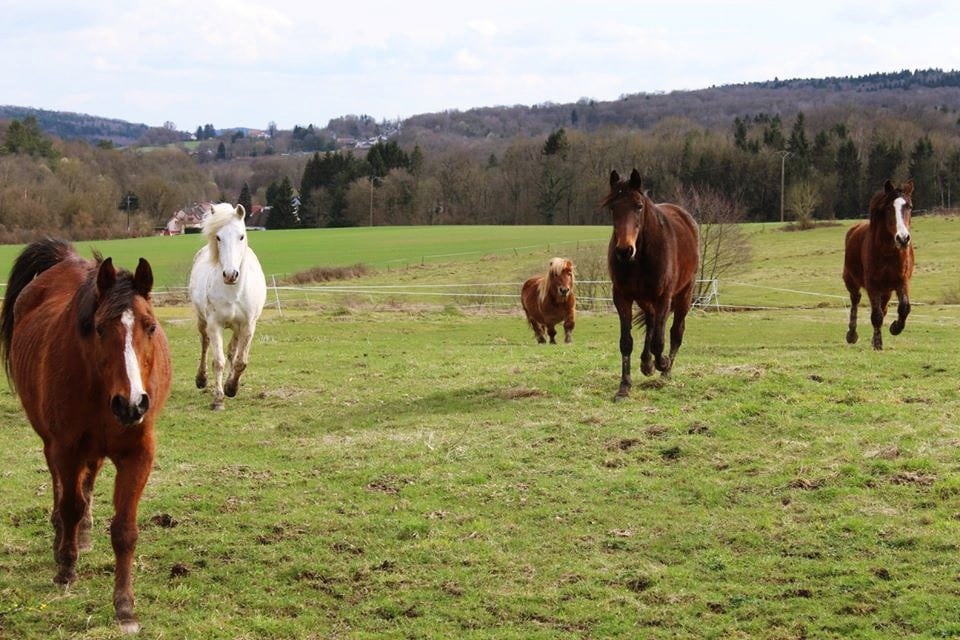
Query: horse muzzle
pixel 625 254
pixel 902 239
pixel 231 277
pixel 128 414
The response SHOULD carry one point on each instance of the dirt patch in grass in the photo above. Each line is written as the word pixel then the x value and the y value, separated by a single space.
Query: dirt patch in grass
pixel 518 393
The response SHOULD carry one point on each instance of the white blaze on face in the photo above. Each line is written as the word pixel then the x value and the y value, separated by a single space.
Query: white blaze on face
pixel 903 234
pixel 130 360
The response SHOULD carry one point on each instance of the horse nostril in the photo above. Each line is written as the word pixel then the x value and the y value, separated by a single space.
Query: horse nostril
pixel 117 405
pixel 144 405
pixel 624 253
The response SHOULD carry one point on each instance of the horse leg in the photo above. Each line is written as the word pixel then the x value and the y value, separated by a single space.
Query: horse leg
pixel 625 312
pixel 677 329
pixel 132 474
pixel 85 541
pixel 552 332
pixel 659 340
pixel 204 344
pixel 239 356
pixel 903 310
pixel 215 335
pixel 70 510
pixel 646 358
pixel 538 331
pixel 568 326
pixel 878 309
pixel 854 304
pixel 55 521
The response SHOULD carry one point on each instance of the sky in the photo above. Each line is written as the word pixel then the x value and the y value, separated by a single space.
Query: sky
pixel 249 63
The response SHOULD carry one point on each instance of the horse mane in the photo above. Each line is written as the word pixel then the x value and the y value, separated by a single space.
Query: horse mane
pixel 220 215
pixel 35 259
pixel 556 268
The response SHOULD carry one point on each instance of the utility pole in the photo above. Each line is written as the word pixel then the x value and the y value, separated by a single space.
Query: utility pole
pixel 783 162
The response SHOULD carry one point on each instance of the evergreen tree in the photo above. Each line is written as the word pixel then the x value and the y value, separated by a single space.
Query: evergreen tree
pixel 556 181
pixel 799 148
pixel 923 172
pixel 246 200
pixel 848 167
pixel 280 199
pixel 416 161
pixel 25 137
pixel 773 134
pixel 882 164
pixel 221 151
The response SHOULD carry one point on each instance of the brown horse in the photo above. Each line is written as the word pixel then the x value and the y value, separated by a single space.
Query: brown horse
pixel 549 299
pixel 84 351
pixel 653 258
pixel 879 258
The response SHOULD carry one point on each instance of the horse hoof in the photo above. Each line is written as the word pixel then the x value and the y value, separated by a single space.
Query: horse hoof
pixel 852 337
pixel 129 626
pixel 646 368
pixel 621 395
pixel 896 327
pixel 65 578
pixel 201 382
pixel 230 390
pixel 217 406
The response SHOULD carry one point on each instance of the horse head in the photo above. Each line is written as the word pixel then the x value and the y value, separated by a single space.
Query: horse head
pixel 627 203
pixel 892 209
pixel 123 330
pixel 559 280
pixel 227 235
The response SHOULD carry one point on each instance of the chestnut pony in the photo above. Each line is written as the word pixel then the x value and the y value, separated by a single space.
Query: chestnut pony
pixel 86 355
pixel 549 299
pixel 879 258
pixel 653 258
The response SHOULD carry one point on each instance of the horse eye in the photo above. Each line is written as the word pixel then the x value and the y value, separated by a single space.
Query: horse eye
pixel 242 237
pixel 100 330
pixel 218 238
pixel 152 329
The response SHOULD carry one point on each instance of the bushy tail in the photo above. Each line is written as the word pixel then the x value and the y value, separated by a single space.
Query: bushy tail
pixel 35 259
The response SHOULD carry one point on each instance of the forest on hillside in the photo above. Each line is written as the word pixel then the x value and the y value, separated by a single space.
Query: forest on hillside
pixel 546 164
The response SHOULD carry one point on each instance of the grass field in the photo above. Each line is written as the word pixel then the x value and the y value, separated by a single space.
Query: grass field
pixel 421 471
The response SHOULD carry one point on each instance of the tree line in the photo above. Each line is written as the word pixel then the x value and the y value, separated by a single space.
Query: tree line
pixel 829 161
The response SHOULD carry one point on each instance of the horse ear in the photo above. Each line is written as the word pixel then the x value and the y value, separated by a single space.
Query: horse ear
pixel 614 179
pixel 143 278
pixel 907 189
pixel 636 183
pixel 888 186
pixel 240 211
pixel 106 277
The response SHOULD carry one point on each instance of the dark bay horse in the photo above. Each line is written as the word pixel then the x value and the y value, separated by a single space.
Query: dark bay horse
pixel 549 299
pixel 653 258
pixel 879 258
pixel 90 362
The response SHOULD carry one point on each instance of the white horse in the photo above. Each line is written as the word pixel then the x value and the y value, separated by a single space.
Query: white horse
pixel 228 289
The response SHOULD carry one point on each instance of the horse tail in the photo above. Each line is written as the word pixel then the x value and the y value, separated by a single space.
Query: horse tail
pixel 34 260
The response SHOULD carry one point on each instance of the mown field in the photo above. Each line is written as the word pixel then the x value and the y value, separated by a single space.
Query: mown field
pixel 397 468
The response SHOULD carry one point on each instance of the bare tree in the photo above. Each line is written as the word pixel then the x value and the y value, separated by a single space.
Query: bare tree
pixel 724 247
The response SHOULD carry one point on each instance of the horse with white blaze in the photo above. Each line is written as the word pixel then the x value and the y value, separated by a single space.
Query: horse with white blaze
pixel 228 290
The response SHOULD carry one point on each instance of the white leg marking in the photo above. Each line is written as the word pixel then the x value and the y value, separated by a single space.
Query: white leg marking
pixel 131 361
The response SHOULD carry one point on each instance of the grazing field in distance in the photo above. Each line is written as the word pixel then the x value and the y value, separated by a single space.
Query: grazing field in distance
pixel 395 468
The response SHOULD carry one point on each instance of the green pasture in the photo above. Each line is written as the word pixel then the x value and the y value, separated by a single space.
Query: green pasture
pixel 409 470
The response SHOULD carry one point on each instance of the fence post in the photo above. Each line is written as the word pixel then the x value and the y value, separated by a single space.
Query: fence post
pixel 276 294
